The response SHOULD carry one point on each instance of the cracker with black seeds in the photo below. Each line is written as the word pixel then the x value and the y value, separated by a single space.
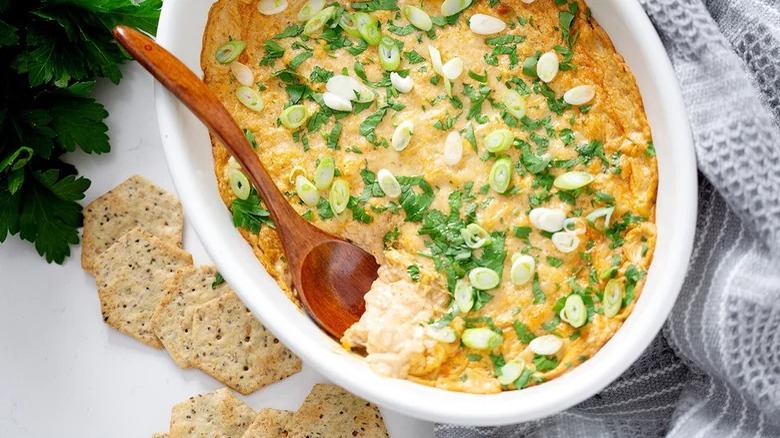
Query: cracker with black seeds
pixel 269 423
pixel 214 414
pixel 130 276
pixel 172 319
pixel 134 202
pixel 234 348
pixel 330 411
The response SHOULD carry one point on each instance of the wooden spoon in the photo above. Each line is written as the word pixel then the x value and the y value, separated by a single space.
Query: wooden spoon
pixel 330 274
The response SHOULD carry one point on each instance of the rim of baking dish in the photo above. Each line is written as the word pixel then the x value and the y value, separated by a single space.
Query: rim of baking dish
pixel 186 142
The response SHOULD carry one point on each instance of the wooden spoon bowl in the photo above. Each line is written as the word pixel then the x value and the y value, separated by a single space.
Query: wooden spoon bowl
pixel 330 274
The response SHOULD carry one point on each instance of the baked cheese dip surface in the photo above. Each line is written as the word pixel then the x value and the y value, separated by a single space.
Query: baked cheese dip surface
pixel 493 155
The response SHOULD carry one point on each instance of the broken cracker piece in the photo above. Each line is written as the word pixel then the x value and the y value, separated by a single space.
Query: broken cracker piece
pixel 130 277
pixel 234 348
pixel 330 411
pixel 269 423
pixel 214 414
pixel 172 319
pixel 134 202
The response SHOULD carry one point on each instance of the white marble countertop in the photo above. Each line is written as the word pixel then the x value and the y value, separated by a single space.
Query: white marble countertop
pixel 65 373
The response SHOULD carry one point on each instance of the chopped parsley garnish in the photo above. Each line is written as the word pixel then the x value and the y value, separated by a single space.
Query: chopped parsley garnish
pixel 333 137
pixel 415 204
pixel 376 5
pixel 320 74
pixel 324 211
pixel 414 273
pixel 357 48
pixel 447 123
pixel 299 58
pixel 524 334
pixel 414 57
pixel 272 52
pixel 554 261
pixel 368 126
pixel 359 213
pixel 650 151
pixel 545 363
pixel 250 137
pixel 250 214
pixel 473 357
pixel 469 135
pixel 290 31
pixel 477 97
pixel 522 233
pixel 401 31
pixel 391 237
pixel 218 279
pixel 536 288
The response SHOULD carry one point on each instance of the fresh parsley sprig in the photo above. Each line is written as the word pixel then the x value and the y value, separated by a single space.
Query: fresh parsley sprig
pixel 51 53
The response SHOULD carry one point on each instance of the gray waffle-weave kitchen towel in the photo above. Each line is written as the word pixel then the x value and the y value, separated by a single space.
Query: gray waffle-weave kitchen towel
pixel 715 369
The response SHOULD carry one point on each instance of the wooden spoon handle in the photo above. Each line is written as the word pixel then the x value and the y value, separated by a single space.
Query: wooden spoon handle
pixel 183 83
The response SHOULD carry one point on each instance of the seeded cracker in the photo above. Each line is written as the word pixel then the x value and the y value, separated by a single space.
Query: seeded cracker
pixel 130 277
pixel 172 320
pixel 330 411
pixel 269 423
pixel 135 202
pixel 160 435
pixel 233 347
pixel 215 414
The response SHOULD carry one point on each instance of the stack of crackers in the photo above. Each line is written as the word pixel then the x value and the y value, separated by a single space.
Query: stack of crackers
pixel 150 289
pixel 328 411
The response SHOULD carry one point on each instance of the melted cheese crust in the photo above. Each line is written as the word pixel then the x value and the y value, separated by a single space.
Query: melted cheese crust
pixel 392 330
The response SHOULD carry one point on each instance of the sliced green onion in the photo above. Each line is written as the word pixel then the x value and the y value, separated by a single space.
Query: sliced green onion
pixel 464 295
pixel 574 312
pixel 323 174
pixel 514 103
pixel 250 98
pixel 435 59
pixel 389 54
pixel 565 242
pixel 613 298
pixel 297 170
pixel 575 225
pixel 448 86
pixel 309 9
pixel 294 116
pixel 475 236
pixel 573 180
pixel 482 24
pixel 271 7
pixel 388 183
pixel 243 74
pixel 339 195
pixel 452 7
pixel 233 163
pixel 547 219
pixel 453 148
pixel 483 278
pixel 478 77
pixel 580 95
pixel 347 22
pixel 402 135
pixel 481 338
pixel 605 212
pixel 364 94
pixel 499 140
pixel 523 267
pixel 403 85
pixel 368 27
pixel 547 66
pixel 510 372
pixel 230 51
pixel 239 183
pixel 306 191
pixel 318 20
pixel 442 334
pixel 419 18
pixel 501 174
pixel 452 68
pixel 546 345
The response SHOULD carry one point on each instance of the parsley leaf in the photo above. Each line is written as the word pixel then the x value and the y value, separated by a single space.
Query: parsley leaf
pixel 545 363
pixel 376 5
pixel 272 52
pixel 524 334
pixel 414 273
pixel 320 74
pixel 368 126
pixel 290 31
pixel 415 204
pixel 250 214
pixel 218 279
pixel 414 57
